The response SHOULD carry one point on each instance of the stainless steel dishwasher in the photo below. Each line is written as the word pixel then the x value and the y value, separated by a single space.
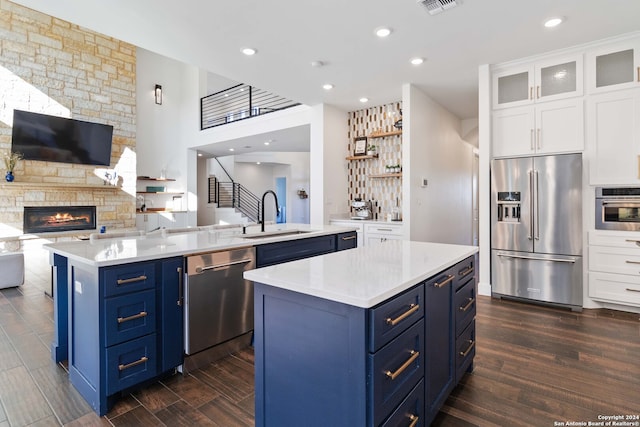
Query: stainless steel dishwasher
pixel 218 300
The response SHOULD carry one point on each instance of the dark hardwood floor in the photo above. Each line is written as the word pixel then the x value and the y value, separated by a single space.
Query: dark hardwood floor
pixel 535 366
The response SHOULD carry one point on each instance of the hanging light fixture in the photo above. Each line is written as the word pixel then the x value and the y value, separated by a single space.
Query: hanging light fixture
pixel 158 94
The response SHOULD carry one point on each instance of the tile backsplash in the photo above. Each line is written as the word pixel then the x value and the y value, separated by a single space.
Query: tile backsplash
pixel 368 177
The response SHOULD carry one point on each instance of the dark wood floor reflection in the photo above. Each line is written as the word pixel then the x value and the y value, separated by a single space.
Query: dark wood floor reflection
pixel 534 366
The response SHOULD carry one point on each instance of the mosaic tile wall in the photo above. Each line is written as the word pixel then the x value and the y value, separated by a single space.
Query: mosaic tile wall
pixel 385 193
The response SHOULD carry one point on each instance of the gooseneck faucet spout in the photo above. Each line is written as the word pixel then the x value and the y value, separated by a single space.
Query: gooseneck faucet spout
pixel 275 198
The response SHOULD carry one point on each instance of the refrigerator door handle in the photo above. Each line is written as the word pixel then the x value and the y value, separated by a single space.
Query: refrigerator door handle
pixel 530 234
pixel 569 260
pixel 537 208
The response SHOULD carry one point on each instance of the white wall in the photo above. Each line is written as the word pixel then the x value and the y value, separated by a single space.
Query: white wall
pixel 328 182
pixel 162 131
pixel 434 150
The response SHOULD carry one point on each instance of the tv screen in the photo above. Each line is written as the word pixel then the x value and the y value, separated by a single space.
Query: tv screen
pixel 58 139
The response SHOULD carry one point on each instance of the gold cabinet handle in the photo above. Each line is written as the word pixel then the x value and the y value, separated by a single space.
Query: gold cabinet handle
pixel 132 280
pixel 132 364
pixel 465 272
pixel 414 420
pixel 472 344
pixel 632 262
pixel 633 290
pixel 393 375
pixel 412 309
pixel 538 91
pixel 469 304
pixel 637 242
pixel 349 237
pixel 135 316
pixel 439 285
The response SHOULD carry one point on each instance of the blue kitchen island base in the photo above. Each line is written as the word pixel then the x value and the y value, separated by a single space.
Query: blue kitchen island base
pixel 320 362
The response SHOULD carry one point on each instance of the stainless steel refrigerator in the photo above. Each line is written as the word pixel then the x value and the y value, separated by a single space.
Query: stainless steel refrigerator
pixel 536 229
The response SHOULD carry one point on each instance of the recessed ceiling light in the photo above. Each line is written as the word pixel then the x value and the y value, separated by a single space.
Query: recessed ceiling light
pixel 363 99
pixel 232 149
pixel 199 154
pixel 249 51
pixel 552 22
pixel 383 32
pixel 268 142
pixel 327 86
pixel 257 163
pixel 317 64
pixel 417 61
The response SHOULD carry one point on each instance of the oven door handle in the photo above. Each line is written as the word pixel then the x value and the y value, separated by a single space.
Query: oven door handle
pixel 621 204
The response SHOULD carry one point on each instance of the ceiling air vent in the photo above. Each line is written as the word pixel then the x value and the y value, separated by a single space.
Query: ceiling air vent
pixel 436 6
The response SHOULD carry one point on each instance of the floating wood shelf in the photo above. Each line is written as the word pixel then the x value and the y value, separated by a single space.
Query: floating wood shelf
pixel 375 156
pixel 40 185
pixel 385 134
pixel 387 175
pixel 150 178
pixel 159 192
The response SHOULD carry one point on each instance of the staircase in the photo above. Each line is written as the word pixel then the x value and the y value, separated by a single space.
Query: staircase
pixel 236 204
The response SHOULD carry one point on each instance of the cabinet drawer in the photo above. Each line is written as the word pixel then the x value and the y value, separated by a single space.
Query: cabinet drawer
pixel 390 318
pixel 465 305
pixel 130 363
pixel 617 288
pixel 610 259
pixel 394 370
pixel 465 349
pixel 346 240
pixel 465 271
pixel 129 278
pixel 387 229
pixel 630 240
pixel 129 316
pixel 411 410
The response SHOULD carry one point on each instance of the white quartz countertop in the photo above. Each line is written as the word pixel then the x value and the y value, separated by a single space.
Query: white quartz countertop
pixel 122 250
pixel 364 276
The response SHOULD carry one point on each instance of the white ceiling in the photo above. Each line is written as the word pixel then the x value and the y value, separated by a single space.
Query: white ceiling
pixel 290 34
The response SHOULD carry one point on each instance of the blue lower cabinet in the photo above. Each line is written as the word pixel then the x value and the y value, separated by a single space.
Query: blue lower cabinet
pixel 465 350
pixel 347 240
pixel 291 250
pixel 411 411
pixel 131 363
pixel 129 316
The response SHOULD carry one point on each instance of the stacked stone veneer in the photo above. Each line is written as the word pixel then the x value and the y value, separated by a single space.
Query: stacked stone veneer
pixel 385 191
pixel 53 67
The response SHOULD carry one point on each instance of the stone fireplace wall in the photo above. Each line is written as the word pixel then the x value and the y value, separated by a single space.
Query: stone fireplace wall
pixel 54 67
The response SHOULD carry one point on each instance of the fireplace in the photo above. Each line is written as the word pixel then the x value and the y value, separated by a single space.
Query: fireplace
pixel 45 219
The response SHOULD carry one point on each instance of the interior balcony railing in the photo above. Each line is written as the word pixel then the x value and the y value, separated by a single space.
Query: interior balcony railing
pixel 237 103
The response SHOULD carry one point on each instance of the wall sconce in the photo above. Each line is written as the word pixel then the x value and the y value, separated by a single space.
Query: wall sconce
pixel 158 94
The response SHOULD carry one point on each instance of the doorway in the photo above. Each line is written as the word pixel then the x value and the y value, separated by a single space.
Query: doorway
pixel 281 193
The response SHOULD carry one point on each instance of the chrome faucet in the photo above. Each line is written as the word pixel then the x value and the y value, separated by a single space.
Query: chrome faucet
pixel 275 198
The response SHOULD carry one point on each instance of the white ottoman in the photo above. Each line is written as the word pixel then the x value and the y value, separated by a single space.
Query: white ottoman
pixel 11 269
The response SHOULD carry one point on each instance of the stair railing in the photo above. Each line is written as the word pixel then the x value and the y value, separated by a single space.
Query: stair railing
pixel 234 195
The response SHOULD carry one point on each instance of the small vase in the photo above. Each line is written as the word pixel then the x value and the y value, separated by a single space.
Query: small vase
pixel 9 176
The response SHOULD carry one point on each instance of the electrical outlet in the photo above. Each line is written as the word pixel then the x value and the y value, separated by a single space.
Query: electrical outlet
pixel 423 182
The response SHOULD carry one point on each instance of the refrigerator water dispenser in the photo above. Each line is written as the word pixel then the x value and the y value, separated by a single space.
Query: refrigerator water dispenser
pixel 508 206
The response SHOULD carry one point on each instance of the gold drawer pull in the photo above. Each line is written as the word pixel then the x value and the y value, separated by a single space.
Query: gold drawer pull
pixel 469 304
pixel 135 316
pixel 633 290
pixel 132 280
pixel 349 237
pixel 412 309
pixel 472 344
pixel 467 271
pixel 637 242
pixel 632 262
pixel 414 420
pixel 132 364
pixel 405 365
pixel 439 285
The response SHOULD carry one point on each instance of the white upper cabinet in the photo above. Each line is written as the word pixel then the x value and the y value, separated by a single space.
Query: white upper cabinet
pixel 614 66
pixel 613 132
pixel 545 80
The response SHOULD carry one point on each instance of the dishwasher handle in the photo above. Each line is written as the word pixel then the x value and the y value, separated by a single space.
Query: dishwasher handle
pixel 200 269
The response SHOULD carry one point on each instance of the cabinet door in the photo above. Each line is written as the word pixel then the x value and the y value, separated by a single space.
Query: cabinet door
pixel 559 126
pixel 613 131
pixel 171 314
pixel 438 344
pixel 616 66
pixel 513 132
pixel 513 87
pixel 559 78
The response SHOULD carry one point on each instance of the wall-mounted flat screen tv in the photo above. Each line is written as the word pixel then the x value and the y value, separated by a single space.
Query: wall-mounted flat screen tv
pixel 58 139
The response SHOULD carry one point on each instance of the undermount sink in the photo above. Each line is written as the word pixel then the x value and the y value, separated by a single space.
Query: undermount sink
pixel 277 233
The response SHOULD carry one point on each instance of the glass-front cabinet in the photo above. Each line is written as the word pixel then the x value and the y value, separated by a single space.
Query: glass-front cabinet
pixel 615 66
pixel 547 80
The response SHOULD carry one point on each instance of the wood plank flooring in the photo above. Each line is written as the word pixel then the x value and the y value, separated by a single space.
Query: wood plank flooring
pixel 535 366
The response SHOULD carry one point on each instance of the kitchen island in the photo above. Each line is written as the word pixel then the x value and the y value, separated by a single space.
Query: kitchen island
pixel 377 335
pixel 120 303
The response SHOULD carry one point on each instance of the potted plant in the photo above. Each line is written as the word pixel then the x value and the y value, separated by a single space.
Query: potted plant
pixel 10 161
pixel 371 150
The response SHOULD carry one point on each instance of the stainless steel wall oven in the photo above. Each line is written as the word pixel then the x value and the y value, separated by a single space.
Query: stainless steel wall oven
pixel 618 208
